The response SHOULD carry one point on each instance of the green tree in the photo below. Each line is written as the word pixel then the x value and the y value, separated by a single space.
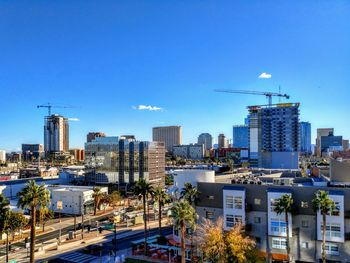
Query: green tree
pixel 189 193
pixel 97 196
pixel 144 189
pixel 162 198
pixel 16 222
pixel 44 214
pixel 183 215
pixel 285 205
pixel 105 201
pixel 4 208
pixel 31 197
pixel 114 198
pixel 324 204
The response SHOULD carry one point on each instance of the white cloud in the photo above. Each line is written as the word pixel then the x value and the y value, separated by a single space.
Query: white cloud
pixel 265 75
pixel 147 107
pixel 73 119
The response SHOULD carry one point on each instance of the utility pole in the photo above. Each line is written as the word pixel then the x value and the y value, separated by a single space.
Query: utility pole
pixel 7 246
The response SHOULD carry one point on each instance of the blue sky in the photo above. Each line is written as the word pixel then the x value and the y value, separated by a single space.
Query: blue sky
pixel 107 57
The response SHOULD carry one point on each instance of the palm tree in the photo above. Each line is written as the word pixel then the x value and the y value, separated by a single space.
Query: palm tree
pixel 4 208
pixel 323 203
pixel 144 189
pixel 189 193
pixel 285 205
pixel 162 198
pixel 97 195
pixel 31 197
pixel 183 215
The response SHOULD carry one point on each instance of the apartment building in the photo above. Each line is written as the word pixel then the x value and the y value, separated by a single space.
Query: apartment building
pixel 191 151
pixel 253 206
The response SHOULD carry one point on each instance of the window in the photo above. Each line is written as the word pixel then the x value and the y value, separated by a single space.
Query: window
pixel 237 200
pixel 257 201
pixel 279 243
pixel 332 230
pixel 278 226
pixel 232 220
pixel 257 220
pixel 234 202
pixel 304 223
pixel 304 204
pixel 273 203
pixel 336 210
pixel 229 201
pixel 332 249
pixel 176 231
pixel 209 215
pixel 305 244
pixel 210 197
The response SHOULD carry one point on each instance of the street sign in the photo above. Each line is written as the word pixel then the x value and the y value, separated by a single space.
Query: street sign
pixel 59 205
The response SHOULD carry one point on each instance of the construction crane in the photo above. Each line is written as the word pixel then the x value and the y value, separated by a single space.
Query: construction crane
pixel 49 106
pixel 267 94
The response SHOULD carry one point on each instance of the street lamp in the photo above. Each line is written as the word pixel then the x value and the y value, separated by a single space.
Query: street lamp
pixel 115 238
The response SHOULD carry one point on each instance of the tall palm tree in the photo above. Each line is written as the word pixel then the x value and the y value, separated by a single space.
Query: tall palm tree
pixel 285 205
pixel 162 198
pixel 31 197
pixel 144 189
pixel 4 209
pixel 189 193
pixel 183 215
pixel 97 196
pixel 323 203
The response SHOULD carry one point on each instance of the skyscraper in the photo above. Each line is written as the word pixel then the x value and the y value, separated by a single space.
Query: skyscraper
pixel 274 136
pixel 56 134
pixel 322 132
pixel 222 142
pixel 207 140
pixel 170 135
pixel 240 136
pixel 305 138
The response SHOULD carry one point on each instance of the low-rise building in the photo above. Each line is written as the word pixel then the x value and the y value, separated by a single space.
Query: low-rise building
pixel 73 200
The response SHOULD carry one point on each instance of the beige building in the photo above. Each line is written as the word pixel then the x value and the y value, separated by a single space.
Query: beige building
pixel 170 135
pixel 322 132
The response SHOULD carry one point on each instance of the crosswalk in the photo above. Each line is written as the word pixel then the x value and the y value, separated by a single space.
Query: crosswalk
pixel 77 257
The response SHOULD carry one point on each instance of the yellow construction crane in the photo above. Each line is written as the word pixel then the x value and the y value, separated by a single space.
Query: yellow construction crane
pixel 267 94
pixel 49 106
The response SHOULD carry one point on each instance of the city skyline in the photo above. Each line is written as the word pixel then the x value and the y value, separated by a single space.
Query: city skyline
pixel 126 69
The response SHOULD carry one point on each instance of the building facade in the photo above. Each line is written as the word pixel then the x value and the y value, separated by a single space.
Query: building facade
pixel 32 151
pixel 73 200
pixel 321 132
pixel 305 138
pixel 330 143
pixel 207 140
pixel 93 135
pixel 2 156
pixel 115 160
pixel 191 151
pixel 79 154
pixel 222 142
pixel 240 137
pixel 253 206
pixel 56 134
pixel 170 135
pixel 274 136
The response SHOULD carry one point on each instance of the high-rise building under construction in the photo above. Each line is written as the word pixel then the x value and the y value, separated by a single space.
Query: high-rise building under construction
pixel 56 134
pixel 274 136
